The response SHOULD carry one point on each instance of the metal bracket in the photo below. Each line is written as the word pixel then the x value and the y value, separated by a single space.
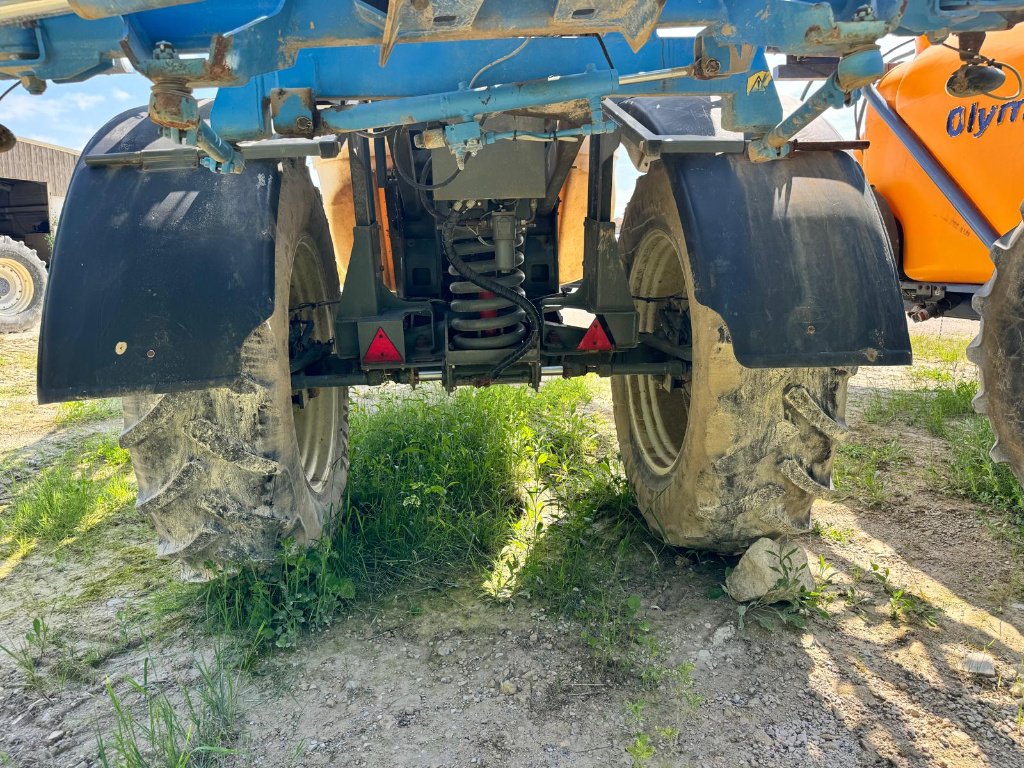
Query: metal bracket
pixel 365 297
pixel 644 147
pixel 180 158
pixel 604 289
pixel 173 107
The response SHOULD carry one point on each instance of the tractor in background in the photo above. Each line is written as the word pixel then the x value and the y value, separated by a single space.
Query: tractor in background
pixel 33 181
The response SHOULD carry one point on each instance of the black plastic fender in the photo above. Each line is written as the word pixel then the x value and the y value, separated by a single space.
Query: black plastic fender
pixel 157 277
pixel 792 254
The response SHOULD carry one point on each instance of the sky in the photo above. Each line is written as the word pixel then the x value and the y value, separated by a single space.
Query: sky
pixel 68 115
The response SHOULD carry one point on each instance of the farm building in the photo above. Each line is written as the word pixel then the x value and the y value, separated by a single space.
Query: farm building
pixel 34 179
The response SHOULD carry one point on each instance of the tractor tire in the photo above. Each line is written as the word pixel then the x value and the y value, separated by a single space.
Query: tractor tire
pixel 730 454
pixel 227 474
pixel 998 349
pixel 22 285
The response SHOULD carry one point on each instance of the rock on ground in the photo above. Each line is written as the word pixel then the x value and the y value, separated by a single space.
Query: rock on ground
pixel 759 571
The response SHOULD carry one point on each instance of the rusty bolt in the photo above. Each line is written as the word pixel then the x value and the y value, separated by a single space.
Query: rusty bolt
pixel 304 123
pixel 164 50
pixel 810 330
pixel 151 354
pixel 711 66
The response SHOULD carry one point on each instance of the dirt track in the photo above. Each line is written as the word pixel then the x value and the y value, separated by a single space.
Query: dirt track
pixel 462 682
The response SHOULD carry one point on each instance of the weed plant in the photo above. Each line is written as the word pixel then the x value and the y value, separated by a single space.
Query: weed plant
pixel 152 730
pixel 858 470
pixel 789 601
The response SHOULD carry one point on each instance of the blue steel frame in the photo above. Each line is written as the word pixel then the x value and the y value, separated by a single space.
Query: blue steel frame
pixel 413 61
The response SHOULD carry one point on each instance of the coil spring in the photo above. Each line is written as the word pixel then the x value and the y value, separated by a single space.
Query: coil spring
pixel 482 320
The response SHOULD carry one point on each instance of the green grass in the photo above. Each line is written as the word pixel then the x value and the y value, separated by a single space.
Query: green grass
pixel 591 561
pixel 68 498
pixel 971 473
pixel 86 411
pixel 946 411
pixel 939 349
pixel 832 532
pixel 435 494
pixel 190 730
pixel 932 409
pixel 859 470
pixel 503 488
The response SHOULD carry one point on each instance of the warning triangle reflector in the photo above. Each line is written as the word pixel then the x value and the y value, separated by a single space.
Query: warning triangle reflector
pixel 595 339
pixel 382 350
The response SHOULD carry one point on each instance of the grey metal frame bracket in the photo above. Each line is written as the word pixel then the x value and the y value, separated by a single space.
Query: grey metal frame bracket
pixel 644 147
pixel 177 158
pixel 604 289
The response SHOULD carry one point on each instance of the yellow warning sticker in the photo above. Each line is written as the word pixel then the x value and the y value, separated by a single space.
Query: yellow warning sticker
pixel 758 82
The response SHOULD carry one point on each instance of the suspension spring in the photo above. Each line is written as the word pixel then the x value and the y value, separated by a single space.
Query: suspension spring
pixel 482 320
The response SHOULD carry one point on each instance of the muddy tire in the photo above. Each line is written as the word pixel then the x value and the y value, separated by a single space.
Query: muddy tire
pixel 227 474
pixel 22 284
pixel 999 348
pixel 731 453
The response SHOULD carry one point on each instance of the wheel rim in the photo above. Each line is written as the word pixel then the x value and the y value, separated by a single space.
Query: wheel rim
pixel 658 416
pixel 316 422
pixel 16 287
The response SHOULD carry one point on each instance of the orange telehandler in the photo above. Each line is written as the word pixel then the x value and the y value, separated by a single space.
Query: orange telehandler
pixel 944 132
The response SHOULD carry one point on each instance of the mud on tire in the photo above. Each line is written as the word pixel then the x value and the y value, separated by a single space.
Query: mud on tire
pixel 736 453
pixel 227 474
pixel 22 285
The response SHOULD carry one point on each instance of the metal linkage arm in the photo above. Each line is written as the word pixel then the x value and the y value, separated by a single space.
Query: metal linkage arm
pixel 853 72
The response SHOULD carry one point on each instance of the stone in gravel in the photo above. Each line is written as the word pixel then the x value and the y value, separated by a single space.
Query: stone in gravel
pixel 508 687
pixel 757 572
pixel 407 705
pixel 54 737
pixel 979 663
pixel 445 649
pixel 723 634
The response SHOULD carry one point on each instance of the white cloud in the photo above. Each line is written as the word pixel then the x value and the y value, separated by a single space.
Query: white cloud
pixel 85 100
pixel 25 107
pixel 121 95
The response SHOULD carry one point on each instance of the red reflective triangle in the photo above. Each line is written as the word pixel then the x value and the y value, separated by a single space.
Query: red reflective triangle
pixel 595 339
pixel 382 350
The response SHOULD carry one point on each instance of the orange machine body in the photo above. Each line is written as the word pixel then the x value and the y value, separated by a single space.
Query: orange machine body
pixel 977 141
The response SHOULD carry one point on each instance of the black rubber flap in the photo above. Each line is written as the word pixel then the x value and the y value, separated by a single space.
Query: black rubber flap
pixel 792 254
pixel 157 277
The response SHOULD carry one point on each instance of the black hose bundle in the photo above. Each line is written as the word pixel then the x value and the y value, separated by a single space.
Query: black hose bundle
pixel 533 316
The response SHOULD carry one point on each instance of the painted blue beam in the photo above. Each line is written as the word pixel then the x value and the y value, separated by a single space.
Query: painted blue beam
pixel 239 114
pixel 268 35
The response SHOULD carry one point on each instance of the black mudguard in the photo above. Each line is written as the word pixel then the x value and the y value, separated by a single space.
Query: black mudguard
pixel 157 277
pixel 792 254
